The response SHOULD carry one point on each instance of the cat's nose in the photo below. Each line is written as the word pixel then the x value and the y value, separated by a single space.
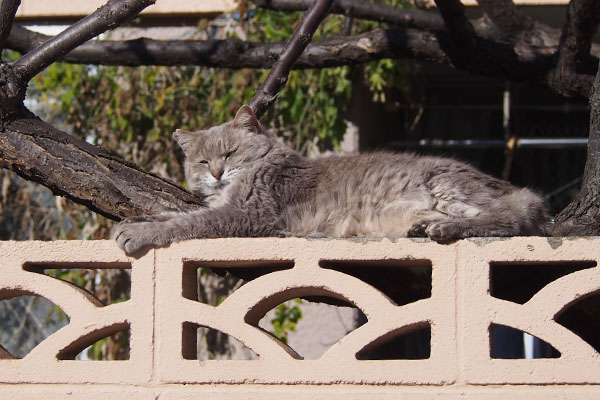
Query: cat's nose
pixel 218 174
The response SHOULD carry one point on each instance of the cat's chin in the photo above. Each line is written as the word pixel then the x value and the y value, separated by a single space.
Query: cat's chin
pixel 218 186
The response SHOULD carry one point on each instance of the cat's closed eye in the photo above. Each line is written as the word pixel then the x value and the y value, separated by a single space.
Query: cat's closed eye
pixel 203 162
pixel 230 154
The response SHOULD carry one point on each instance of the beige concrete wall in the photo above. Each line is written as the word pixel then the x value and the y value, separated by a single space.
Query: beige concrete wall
pixel 79 8
pixel 76 9
pixel 459 311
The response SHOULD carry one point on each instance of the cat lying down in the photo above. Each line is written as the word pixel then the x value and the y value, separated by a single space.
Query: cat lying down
pixel 255 186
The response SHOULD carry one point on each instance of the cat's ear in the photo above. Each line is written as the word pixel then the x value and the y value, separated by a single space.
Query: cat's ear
pixel 184 139
pixel 245 119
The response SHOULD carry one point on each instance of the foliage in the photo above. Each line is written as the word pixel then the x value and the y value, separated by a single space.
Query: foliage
pixel 286 318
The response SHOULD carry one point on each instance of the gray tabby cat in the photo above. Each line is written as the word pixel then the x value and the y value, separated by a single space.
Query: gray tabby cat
pixel 256 186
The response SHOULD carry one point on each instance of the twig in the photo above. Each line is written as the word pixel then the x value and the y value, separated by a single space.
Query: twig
pixel 8 9
pixel 366 10
pixel 111 15
pixel 268 91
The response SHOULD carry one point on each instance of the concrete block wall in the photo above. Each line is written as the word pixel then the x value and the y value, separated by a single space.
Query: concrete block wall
pixel 163 312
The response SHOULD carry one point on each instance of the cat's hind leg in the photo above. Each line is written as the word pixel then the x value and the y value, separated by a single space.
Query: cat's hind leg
pixel 458 228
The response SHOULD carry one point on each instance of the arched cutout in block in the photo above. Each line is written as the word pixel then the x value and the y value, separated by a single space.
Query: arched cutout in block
pixel 211 282
pixel 27 320
pixel 319 294
pixel 407 343
pixel 110 343
pixel 403 281
pixel 520 281
pixel 583 319
pixel 510 343
pixel 108 282
pixel 309 327
pixel 204 343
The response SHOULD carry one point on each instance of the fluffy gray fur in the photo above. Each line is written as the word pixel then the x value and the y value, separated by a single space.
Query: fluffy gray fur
pixel 256 186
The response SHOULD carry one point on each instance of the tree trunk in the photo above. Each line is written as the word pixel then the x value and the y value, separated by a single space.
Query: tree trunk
pixel 582 216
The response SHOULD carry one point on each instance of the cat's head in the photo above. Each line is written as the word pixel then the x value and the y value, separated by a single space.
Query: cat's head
pixel 214 157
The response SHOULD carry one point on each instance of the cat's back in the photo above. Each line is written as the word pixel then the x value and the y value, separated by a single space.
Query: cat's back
pixel 385 168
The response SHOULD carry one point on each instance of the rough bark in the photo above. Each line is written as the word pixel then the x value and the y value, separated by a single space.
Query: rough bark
pixel 269 89
pixel 582 216
pixel 8 9
pixel 575 44
pixel 506 18
pixel 85 173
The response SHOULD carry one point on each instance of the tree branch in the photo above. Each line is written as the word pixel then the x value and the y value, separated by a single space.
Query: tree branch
pixel 8 9
pixel 85 173
pixel 460 30
pixel 519 61
pixel 583 17
pixel 582 216
pixel 234 53
pixel 112 14
pixel 468 51
pixel 506 18
pixel 574 57
pixel 269 90
pixel 365 10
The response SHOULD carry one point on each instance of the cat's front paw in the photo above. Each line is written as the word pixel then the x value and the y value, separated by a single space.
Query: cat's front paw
pixel 444 231
pixel 132 236
pixel 418 230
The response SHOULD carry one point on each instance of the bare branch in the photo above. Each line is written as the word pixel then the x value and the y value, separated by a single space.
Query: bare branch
pixel 268 91
pixel 583 17
pixel 85 173
pixel 582 216
pixel 8 9
pixel 573 56
pixel 112 14
pixel 366 10
pixel 461 32
pixel 521 61
pixel 234 53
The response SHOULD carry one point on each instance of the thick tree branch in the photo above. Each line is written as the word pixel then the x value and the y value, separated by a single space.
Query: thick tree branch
pixel 508 21
pixel 112 14
pixel 465 48
pixel 366 10
pixel 234 53
pixel 460 30
pixel 574 57
pixel 582 216
pixel 518 61
pixel 85 173
pixel 8 9
pixel 269 90
pixel 583 17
